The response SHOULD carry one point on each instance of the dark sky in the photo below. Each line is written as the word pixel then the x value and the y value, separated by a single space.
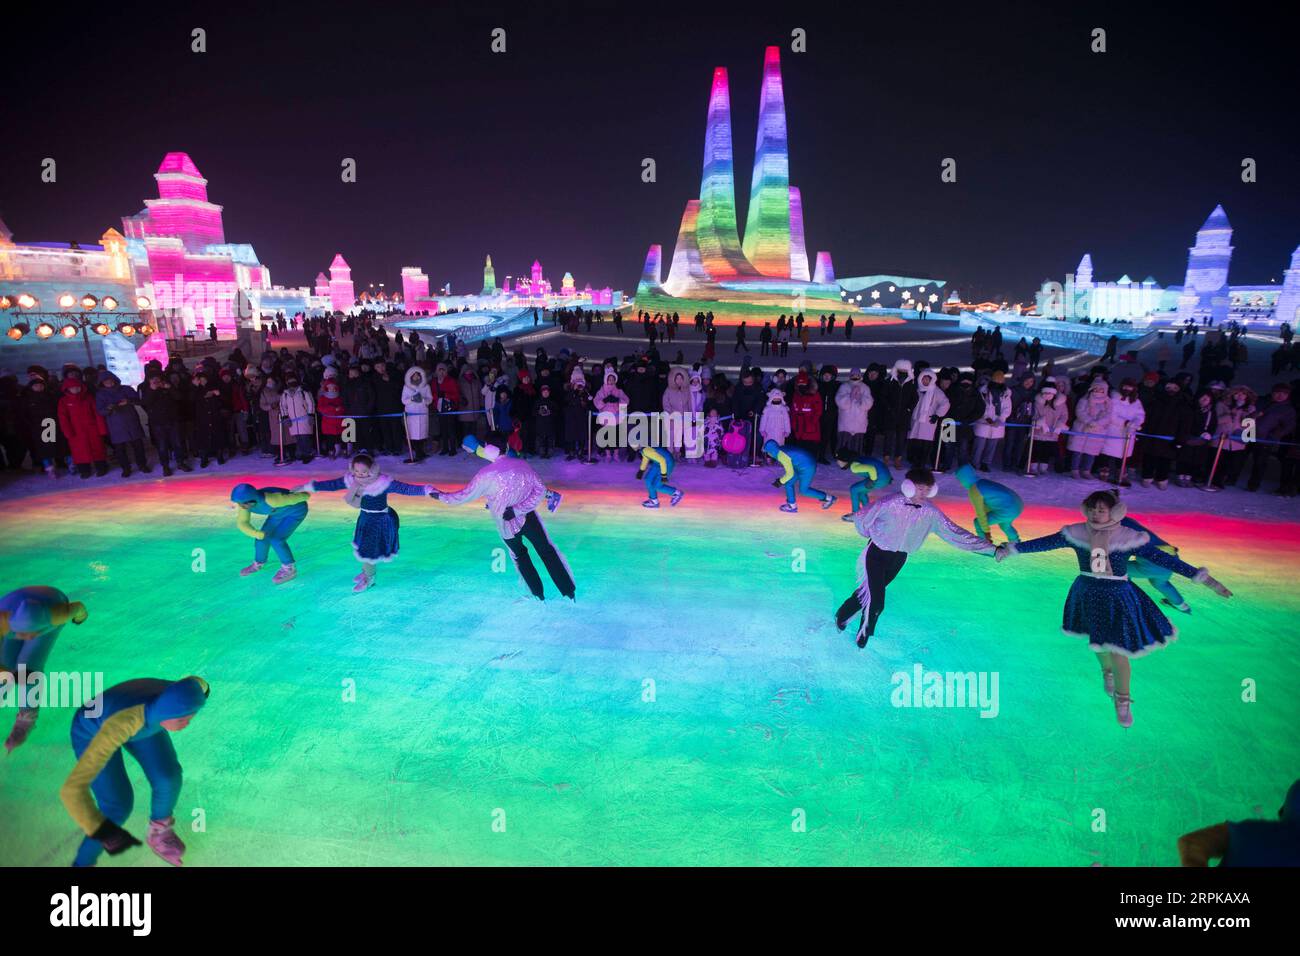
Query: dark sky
pixel 537 152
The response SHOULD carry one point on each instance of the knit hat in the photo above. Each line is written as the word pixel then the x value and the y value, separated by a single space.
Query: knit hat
pixel 775 394
pixel 180 699
pixel 244 492
pixel 855 373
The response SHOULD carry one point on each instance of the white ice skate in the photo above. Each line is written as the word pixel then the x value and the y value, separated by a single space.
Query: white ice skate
pixel 1124 710
pixel 365 584
pixel 677 496
pixel 650 503
pixel 849 517
pixel 164 841
pixel 23 725
pixel 287 572
pixel 251 569
pixel 830 500
pixel 1184 607
pixel 789 508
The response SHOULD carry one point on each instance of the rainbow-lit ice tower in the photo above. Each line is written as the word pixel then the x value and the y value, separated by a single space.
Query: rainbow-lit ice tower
pixel 711 265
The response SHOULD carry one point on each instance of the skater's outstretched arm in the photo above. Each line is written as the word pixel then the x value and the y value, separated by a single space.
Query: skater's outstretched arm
pixel 402 488
pixel 955 535
pixel 283 499
pixel 1051 542
pixel 477 488
pixel 1152 553
pixel 330 484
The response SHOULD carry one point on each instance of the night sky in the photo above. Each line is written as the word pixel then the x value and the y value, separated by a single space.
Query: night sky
pixel 536 153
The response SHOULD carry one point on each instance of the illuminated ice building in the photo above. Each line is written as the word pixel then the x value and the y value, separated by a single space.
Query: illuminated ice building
pixel 1204 295
pixel 178 248
pixel 712 268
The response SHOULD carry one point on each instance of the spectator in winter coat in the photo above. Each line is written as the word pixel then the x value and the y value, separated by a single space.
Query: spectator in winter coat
pixel 329 405
pixel 209 420
pixel 806 411
pixel 160 404
pixel 417 399
pixel 991 428
pixel 931 406
pixel 1126 417
pixel 1168 413
pixel 81 424
pixel 390 437
pixel 1092 415
pixel 473 421
pixel 577 417
pixel 1022 414
pixel 1275 422
pixel 827 388
pixel 116 403
pixel 775 423
pixel 545 413
pixel 38 414
pixel 1050 419
pixel 298 414
pixel 853 400
pixel 1231 413
pixel 677 403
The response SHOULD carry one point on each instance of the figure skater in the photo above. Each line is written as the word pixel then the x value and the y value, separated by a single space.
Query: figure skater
pixel 798 463
pixel 375 539
pixel 285 510
pixel 30 621
pixel 513 492
pixel 995 504
pixel 896 526
pixel 138 716
pixel 1103 605
pixel 656 465
pixel 873 473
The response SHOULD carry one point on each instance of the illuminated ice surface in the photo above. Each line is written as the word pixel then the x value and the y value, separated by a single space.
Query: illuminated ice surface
pixel 693 704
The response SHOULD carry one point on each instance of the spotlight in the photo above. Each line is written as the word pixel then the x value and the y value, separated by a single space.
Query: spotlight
pixel 108 302
pixel 126 329
pixel 68 331
pixel 141 302
pixel 28 301
pixel 101 329
pixel 16 332
pixel 67 300
pixel 44 330
pixel 88 302
pixel 147 329
pixel 6 302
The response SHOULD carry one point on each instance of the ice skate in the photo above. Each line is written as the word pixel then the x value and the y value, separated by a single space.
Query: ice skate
pixel 830 500
pixel 1184 606
pixel 677 497
pixel 365 584
pixel 849 517
pixel 287 572
pixel 23 725
pixel 251 569
pixel 164 841
pixel 1124 710
pixel 650 503
pixel 789 508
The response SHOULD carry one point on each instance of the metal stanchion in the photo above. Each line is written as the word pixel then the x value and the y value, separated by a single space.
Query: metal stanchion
pixel 282 440
pixel 406 429
pixel 1029 459
pixel 1209 481
pixel 1123 464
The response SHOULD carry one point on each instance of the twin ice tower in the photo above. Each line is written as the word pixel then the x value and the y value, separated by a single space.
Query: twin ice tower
pixel 711 262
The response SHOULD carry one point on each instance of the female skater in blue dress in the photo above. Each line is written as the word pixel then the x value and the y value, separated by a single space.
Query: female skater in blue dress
pixel 1103 605
pixel 375 539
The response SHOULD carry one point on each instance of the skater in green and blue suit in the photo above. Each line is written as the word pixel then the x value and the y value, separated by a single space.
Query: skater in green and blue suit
pixel 872 474
pixel 995 504
pixel 798 464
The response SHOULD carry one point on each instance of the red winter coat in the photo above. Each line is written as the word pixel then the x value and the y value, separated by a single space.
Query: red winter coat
pixel 81 425
pixel 446 390
pixel 807 416
pixel 327 405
